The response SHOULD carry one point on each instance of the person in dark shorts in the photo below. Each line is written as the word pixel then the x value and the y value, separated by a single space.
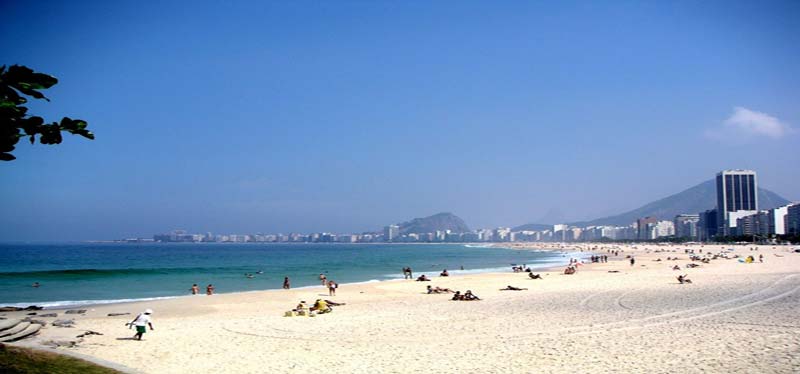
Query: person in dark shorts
pixel 141 322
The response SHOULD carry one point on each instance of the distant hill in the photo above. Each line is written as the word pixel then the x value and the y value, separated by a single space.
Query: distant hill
pixel 697 199
pixel 436 222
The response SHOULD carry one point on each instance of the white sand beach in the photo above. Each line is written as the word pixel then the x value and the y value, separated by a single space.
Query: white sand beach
pixel 734 317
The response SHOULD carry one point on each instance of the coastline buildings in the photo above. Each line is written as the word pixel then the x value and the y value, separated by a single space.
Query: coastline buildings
pixel 707 225
pixel 644 226
pixel 391 232
pixel 737 197
pixel 686 226
pixel 736 214
pixel 792 219
pixel 764 223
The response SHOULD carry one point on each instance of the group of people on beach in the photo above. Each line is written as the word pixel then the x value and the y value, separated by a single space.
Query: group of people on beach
pixel 520 269
pixel 466 296
pixel 572 268
pixel 332 286
pixel 321 306
pixel 599 258
pixel 196 289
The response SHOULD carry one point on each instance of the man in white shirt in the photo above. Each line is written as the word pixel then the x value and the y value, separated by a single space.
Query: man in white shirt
pixel 141 322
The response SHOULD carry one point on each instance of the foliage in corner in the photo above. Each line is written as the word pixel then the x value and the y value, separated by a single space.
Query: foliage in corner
pixel 16 82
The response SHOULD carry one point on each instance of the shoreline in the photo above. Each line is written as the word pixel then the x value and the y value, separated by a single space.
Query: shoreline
pixel 61 304
pixel 613 315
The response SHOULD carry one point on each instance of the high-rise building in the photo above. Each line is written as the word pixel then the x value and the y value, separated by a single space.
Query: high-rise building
pixel 686 225
pixel 662 229
pixel 792 220
pixel 644 225
pixel 391 232
pixel 776 220
pixel 560 232
pixel 737 191
pixel 707 226
pixel 501 234
pixel 746 225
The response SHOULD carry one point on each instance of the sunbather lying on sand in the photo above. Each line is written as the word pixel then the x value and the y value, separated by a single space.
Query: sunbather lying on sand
pixel 683 279
pixel 320 306
pixel 512 288
pixel 534 276
pixel 439 290
pixel 423 278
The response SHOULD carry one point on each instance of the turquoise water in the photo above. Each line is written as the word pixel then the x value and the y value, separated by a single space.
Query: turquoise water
pixel 79 274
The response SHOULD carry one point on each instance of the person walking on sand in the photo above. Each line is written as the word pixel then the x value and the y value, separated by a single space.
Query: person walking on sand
pixel 141 322
pixel 210 289
pixel 195 290
pixel 632 261
pixel 286 284
pixel 332 288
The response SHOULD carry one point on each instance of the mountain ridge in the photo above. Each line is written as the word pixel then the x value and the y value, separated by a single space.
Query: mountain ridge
pixel 438 222
pixel 692 200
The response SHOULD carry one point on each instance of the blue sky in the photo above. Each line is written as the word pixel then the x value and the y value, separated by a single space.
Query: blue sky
pixel 257 116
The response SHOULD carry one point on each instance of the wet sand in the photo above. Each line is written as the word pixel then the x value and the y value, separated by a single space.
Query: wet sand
pixel 734 317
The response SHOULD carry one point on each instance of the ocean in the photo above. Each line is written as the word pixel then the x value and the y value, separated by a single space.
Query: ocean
pixel 96 273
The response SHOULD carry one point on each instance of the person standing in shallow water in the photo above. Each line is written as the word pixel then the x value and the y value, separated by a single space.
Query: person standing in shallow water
pixel 286 284
pixel 210 289
pixel 195 289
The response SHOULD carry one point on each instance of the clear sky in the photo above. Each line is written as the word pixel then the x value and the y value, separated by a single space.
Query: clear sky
pixel 244 117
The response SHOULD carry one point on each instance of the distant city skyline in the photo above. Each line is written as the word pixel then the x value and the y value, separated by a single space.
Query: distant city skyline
pixel 346 117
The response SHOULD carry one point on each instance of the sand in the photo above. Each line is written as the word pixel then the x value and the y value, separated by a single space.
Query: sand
pixel 734 317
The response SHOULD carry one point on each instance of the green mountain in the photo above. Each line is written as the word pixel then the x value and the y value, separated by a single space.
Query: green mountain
pixel 436 222
pixel 697 199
